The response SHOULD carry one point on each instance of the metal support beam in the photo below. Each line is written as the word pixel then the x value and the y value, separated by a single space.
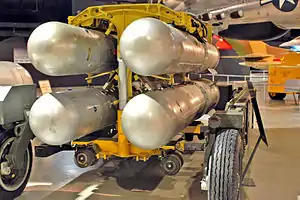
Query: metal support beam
pixel 123 93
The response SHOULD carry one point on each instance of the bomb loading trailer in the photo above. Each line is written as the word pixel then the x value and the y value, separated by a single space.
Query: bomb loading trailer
pixel 165 43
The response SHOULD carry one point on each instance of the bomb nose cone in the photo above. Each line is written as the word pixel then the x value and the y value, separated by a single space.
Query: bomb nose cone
pixel 147 46
pixel 47 45
pixel 59 49
pixel 52 122
pixel 143 125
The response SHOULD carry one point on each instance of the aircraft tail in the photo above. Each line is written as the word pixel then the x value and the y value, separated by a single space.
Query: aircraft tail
pixel 257 48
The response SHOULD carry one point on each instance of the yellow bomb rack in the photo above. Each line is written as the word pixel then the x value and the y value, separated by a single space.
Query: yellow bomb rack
pixel 117 18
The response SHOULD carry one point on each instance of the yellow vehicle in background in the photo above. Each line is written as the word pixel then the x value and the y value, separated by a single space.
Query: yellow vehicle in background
pixel 282 65
pixel 284 78
pixel 277 83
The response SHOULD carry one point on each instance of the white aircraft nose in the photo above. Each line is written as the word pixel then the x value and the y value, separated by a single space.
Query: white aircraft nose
pixel 286 44
pixel 293 42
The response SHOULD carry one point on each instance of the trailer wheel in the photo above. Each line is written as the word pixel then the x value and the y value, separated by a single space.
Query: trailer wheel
pixel 189 137
pixel 13 182
pixel 180 156
pixel 225 168
pixel 171 164
pixel 85 157
pixel 277 96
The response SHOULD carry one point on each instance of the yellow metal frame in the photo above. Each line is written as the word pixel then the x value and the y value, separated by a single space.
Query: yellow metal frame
pixel 119 17
pixel 91 77
pixel 193 129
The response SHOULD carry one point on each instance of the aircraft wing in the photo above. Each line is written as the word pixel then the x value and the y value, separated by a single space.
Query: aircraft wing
pixel 202 6
pixel 244 19
pixel 249 57
pixel 265 65
pixel 282 13
pixel 259 65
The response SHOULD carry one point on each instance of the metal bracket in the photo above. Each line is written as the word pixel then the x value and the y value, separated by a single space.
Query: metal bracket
pixel 44 150
pixel 20 144
pixel 257 113
pixel 208 152
pixel 262 136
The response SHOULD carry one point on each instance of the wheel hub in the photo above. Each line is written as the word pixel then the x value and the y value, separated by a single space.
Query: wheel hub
pixel 5 169
pixel 82 158
pixel 170 165
pixel 272 94
pixel 12 179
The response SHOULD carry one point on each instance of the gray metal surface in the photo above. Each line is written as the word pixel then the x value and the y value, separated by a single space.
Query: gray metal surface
pixel 235 112
pixel 14 100
pixel 256 13
pixel 151 47
pixel 253 11
pixel 60 49
pixel 151 120
pixel 59 118
pixel 231 119
pixel 13 74
pixel 200 6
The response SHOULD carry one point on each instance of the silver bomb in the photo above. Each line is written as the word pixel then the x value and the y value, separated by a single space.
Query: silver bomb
pixel 59 49
pixel 151 120
pixel 59 118
pixel 149 46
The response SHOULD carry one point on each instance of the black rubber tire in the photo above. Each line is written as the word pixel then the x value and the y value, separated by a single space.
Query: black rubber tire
pixel 277 96
pixel 225 166
pixel 201 136
pixel 189 137
pixel 89 156
pixel 176 162
pixel 9 195
pixel 179 154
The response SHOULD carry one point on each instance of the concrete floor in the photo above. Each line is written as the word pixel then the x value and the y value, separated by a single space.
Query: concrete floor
pixel 275 169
